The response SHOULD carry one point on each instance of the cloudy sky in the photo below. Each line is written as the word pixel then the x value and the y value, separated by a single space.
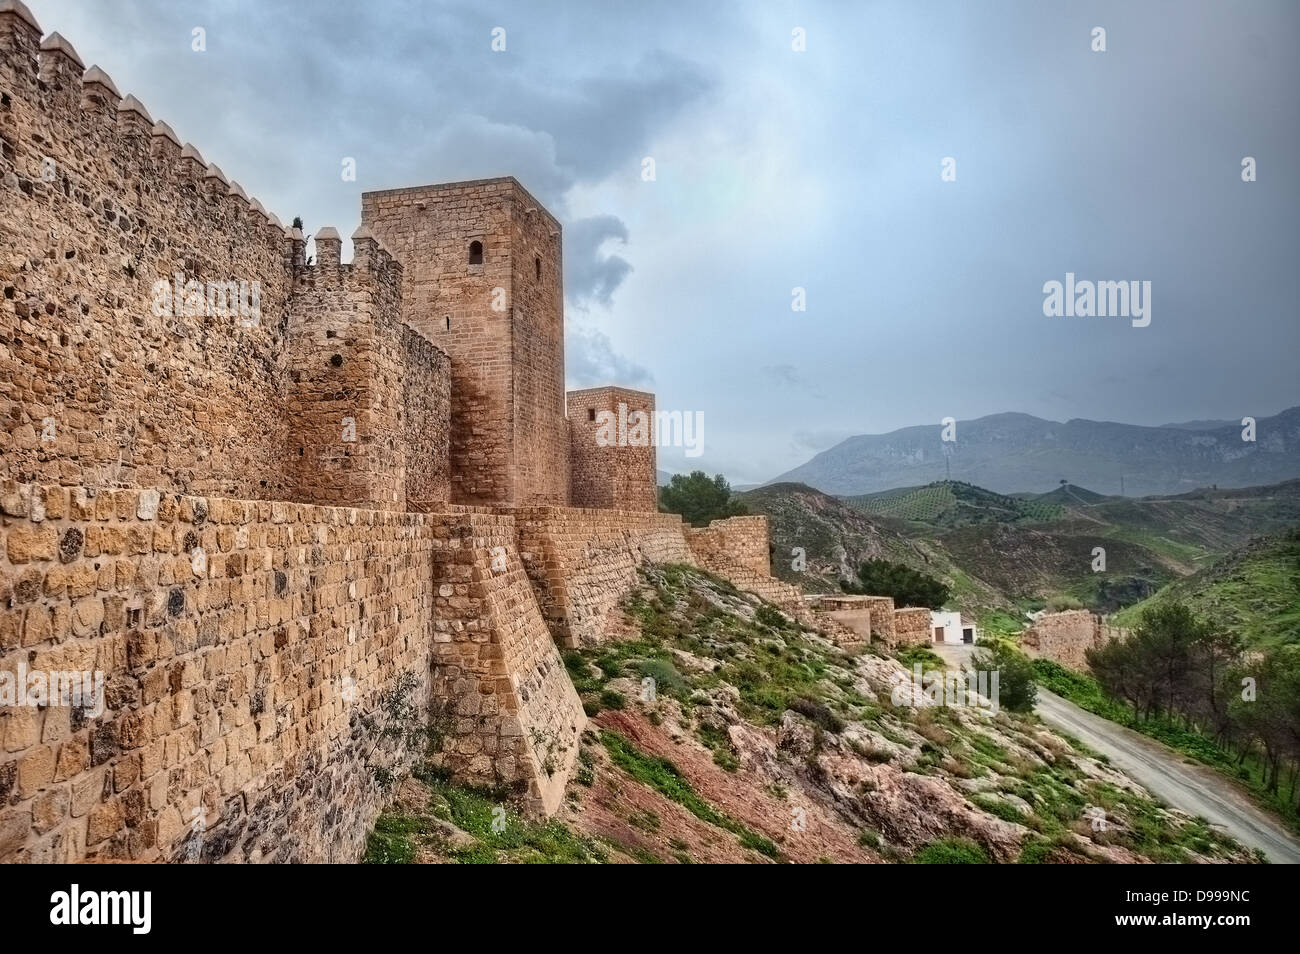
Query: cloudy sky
pixel 818 169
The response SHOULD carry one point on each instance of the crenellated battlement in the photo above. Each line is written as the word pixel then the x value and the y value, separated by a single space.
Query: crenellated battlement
pixel 110 219
pixel 49 77
pixel 370 261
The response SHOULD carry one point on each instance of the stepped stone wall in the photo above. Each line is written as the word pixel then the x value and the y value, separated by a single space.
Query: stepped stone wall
pixel 737 549
pixel 870 617
pixel 582 561
pixel 508 714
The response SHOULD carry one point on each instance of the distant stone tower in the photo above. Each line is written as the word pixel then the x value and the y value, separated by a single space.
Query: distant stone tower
pixel 613 469
pixel 482 280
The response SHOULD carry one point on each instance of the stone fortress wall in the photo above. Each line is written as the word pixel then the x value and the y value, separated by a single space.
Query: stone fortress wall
pixel 582 561
pixel 285 542
pixel 876 618
pixel 912 627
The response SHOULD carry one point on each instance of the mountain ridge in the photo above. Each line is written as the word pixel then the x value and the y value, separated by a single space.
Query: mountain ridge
pixel 1013 452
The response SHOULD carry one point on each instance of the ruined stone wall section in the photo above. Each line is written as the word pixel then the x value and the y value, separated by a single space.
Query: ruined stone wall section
pixel 912 627
pixel 615 476
pixel 734 540
pixel 254 697
pixel 871 617
pixel 509 716
pixel 737 549
pixel 882 618
pixel 1065 637
pixel 97 203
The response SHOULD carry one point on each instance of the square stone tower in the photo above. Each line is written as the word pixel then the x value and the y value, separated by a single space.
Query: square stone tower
pixel 482 280
pixel 612 461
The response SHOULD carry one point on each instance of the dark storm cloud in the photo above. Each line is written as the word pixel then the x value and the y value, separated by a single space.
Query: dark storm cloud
pixel 591 274
pixel 818 169
pixel 413 92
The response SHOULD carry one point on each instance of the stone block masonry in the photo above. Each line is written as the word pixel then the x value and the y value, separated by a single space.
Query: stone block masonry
pixel 583 561
pixel 912 627
pixel 104 381
pixel 1066 637
pixel 256 655
pixel 97 204
pixel 742 540
pixel 291 537
pixel 370 397
pixel 610 465
pixel 508 716
pixel 267 665
pixel 738 549
pixel 870 617
pixel 482 280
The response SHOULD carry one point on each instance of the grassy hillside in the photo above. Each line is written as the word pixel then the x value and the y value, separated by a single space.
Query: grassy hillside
pixel 763 742
pixel 950 504
pixel 1000 551
pixel 1027 564
pixel 1254 591
pixel 1068 495
pixel 837 537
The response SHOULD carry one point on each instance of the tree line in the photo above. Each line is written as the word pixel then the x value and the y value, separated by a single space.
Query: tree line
pixel 1190 672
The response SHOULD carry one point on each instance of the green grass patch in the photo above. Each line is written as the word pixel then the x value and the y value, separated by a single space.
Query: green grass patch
pixel 999 808
pixel 1085 692
pixel 393 840
pixel 951 851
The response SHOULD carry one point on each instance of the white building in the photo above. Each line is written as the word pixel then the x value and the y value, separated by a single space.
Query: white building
pixel 951 628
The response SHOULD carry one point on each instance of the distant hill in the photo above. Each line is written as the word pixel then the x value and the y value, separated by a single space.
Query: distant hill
pixel 953 503
pixel 1254 590
pixel 998 551
pixel 1010 453
pixel 836 537
pixel 1200 425
pixel 1068 494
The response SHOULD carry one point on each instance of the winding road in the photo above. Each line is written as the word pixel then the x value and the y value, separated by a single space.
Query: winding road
pixel 1193 788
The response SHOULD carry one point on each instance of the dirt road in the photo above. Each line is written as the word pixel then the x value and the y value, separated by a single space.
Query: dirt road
pixel 1185 785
